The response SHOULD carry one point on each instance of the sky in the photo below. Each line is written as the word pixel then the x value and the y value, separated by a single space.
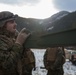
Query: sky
pixel 39 9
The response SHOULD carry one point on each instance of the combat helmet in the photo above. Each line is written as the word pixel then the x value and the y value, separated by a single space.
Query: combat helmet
pixel 6 16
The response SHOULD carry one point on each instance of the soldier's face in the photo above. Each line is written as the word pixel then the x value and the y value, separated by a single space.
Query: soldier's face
pixel 11 26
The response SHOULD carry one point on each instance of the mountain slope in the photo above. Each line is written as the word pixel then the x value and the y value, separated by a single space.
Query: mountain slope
pixel 65 23
pixel 57 22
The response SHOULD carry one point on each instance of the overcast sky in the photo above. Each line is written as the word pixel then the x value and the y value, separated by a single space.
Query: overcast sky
pixel 37 8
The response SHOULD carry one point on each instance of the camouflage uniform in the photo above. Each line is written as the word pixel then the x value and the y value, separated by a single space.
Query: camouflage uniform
pixel 10 52
pixel 53 60
pixel 28 62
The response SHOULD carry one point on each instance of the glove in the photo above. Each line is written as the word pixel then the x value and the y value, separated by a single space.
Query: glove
pixel 22 36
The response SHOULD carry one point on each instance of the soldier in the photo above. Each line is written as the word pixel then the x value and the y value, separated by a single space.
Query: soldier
pixel 28 62
pixel 54 58
pixel 11 49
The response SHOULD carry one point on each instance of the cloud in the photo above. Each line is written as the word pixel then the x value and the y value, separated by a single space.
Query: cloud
pixel 69 5
pixel 20 2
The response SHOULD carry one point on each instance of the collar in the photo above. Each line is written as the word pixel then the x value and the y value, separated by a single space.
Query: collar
pixel 7 33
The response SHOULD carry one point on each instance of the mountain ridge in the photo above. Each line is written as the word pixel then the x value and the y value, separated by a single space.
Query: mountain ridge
pixel 50 24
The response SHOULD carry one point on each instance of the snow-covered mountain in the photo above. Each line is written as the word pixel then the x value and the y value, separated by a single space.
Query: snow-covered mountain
pixel 61 22
pixel 59 15
pixel 56 16
pixel 47 22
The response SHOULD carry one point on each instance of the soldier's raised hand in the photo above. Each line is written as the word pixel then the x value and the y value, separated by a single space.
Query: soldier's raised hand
pixel 22 36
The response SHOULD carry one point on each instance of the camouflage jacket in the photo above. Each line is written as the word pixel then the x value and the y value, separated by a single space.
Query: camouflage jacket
pixel 56 63
pixel 10 52
pixel 28 61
